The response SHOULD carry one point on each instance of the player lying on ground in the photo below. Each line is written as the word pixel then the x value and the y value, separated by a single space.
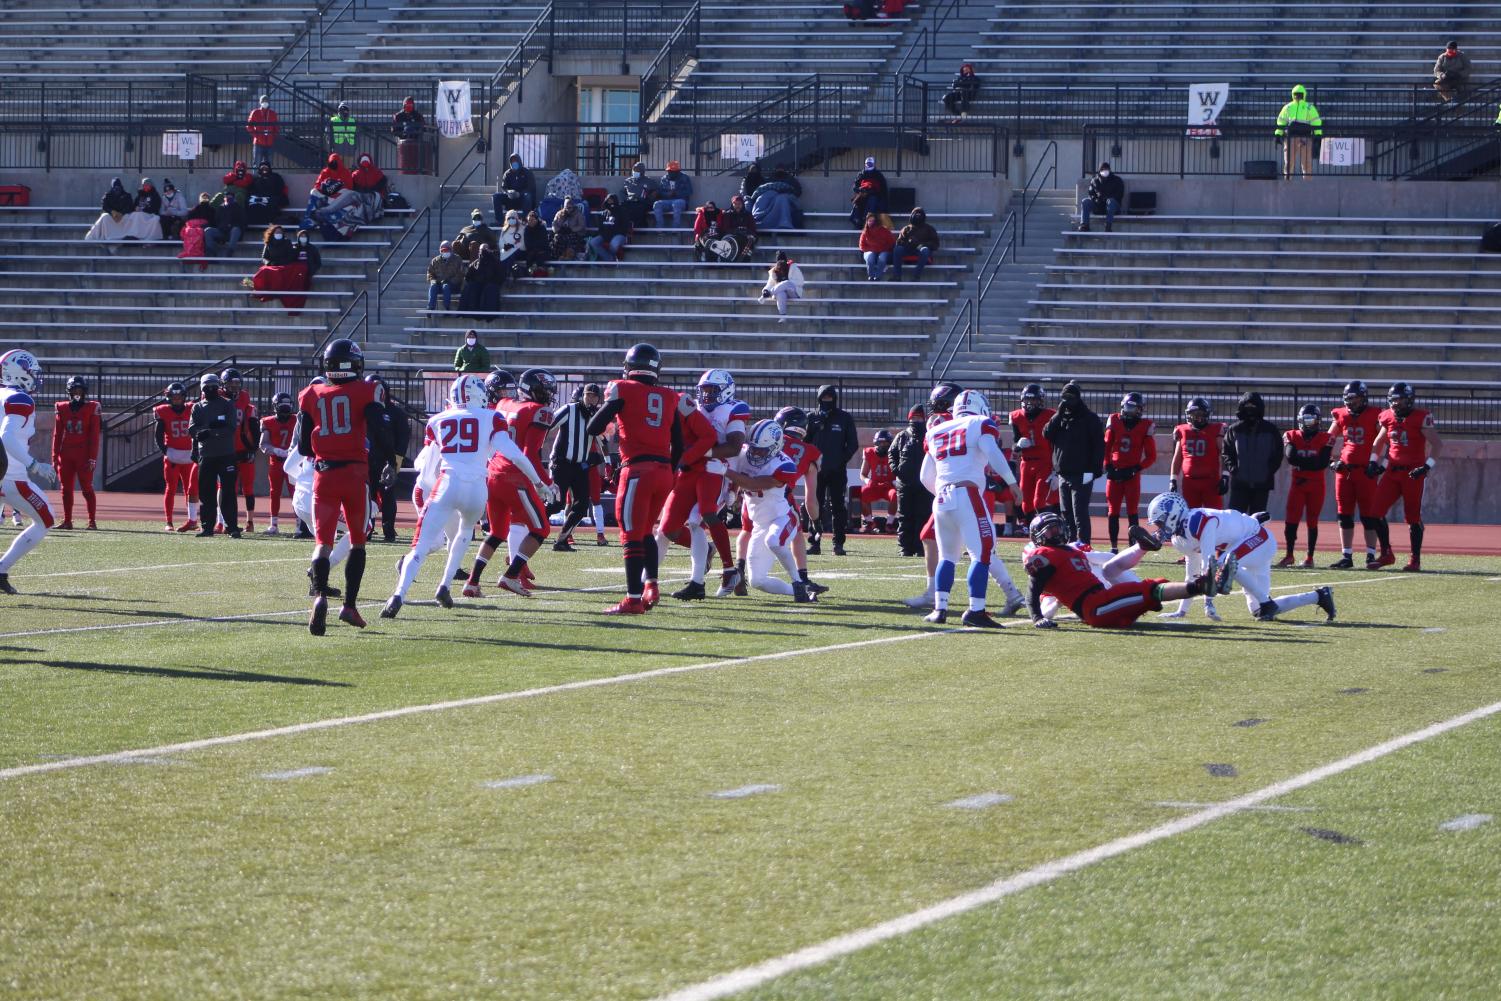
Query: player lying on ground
pixel 1233 547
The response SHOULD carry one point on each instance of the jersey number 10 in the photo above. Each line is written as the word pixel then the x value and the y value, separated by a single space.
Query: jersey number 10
pixel 334 415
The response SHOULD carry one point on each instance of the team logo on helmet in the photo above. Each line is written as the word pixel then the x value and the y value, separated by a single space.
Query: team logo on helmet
pixel 971 403
pixel 19 369
pixel 1168 513
pixel 764 442
pixel 468 392
pixel 715 386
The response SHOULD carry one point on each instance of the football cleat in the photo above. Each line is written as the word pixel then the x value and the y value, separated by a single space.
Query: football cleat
pixel 816 588
pixel 979 618
pixel 1326 601
pixel 392 607
pixel 563 546
pixel 5 585
pixel 627 606
pixel 814 549
pixel 1343 563
pixel 742 590
pixel 650 595
pixel 1307 563
pixel 1224 580
pixel 207 533
pixel 1414 565
pixel 515 586
pixel 1141 537
pixel 919 600
pixel 729 580
pixel 1287 561
pixel 1211 613
pixel 1178 614
pixel 1014 604
pixel 472 590
pixel 800 593
pixel 66 526
pixel 351 615
pixel 91 527
pixel 443 597
pixel 600 540
pixel 169 527
pixel 692 591
pixel 838 549
pixel 317 623
pixel 1267 612
pixel 1386 559
pixel 271 529
pixel 937 616
pixel 461 574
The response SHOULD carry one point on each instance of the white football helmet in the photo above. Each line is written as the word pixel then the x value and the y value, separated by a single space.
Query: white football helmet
pixel 715 386
pixel 765 441
pixel 971 403
pixel 19 369
pixel 1169 514
pixel 468 393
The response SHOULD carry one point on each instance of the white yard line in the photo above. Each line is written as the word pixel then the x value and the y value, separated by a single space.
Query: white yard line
pixel 432 707
pixel 158 566
pixel 843 945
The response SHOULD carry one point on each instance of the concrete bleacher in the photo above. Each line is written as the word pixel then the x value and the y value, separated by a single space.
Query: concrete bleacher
pixel 440 39
pixel 1205 298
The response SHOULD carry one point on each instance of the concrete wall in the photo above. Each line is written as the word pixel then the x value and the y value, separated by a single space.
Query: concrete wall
pixel 1353 197
pixel 77 188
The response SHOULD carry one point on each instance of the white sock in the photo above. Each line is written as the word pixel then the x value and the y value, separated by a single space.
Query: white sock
pixel 23 544
pixel 1001 576
pixel 699 551
pixel 514 539
pixel 1291 601
pixel 192 510
pixel 340 551
pixel 599 519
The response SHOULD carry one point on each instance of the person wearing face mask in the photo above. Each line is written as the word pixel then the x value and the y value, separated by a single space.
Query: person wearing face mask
pixel 614 232
pixel 263 130
pixel 276 249
pixel 569 228
pixel 918 240
pixel 472 356
pixel 281 274
pixel 1078 439
pixel 409 126
pixel 1451 72
pixel 147 198
pixel 1105 194
pixel 869 194
pixel 213 425
pixel 237 181
pixel 1129 450
pixel 475 236
pixel 962 92
pixel 637 196
pixel 674 191
pixel 512 250
pixel 833 432
pixel 536 246
pixel 268 196
pixel 914 503
pixel 574 451
pixel 445 276
pixel 1253 453
pixel 518 190
pixel 174 210
pixel 308 255
pixel 367 177
pixel 276 439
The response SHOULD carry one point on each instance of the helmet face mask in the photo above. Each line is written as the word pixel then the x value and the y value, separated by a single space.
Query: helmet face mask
pixel 941 399
pixel 343 360
pixel 1048 529
pixel 1355 396
pixel 1400 398
pixel 176 394
pixel 1032 401
pixel 538 385
pixel 497 384
pixel 763 442
pixel 794 421
pixel 20 369
pixel 78 389
pixel 1131 408
pixel 882 442
pixel 715 386
pixel 1197 412
pixel 282 404
pixel 1166 515
pixel 1309 418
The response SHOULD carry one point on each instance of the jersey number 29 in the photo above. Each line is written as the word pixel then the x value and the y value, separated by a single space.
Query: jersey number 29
pixel 460 435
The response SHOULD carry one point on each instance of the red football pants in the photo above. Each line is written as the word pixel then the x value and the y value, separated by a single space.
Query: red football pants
pixel 246 485
pixel 1120 605
pixel 346 490
pixel 644 488
pixel 177 474
pixel 278 484
pixel 690 487
pixel 1034 485
pixel 596 485
pixel 1354 489
pixel 1123 494
pixel 877 491
pixel 1202 492
pixel 76 467
pixel 1395 484
pixel 515 500
pixel 1305 498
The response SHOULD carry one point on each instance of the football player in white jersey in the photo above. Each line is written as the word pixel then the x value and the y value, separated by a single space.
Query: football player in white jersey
pixel 1235 548
pixel 959 453
pixel 699 490
pixel 20 380
pixel 451 490
pixel 763 472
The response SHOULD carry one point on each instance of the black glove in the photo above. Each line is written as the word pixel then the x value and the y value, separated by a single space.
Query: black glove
pixel 1340 466
pixel 1127 473
pixel 1418 472
pixel 1224 487
pixel 1173 486
pixel 1373 469
pixel 1279 140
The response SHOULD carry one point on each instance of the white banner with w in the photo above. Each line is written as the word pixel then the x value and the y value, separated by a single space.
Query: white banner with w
pixel 1205 102
pixel 454 114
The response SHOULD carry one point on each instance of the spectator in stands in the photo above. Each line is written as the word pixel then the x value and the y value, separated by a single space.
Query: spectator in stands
pixel 1253 454
pixel 237 181
pixel 1298 125
pixel 1105 194
pixel 203 211
pixel 568 229
pixel 223 234
pixel 147 198
pixel 193 227
pixel 342 130
pixel 784 282
pixel 673 193
pixel 637 196
pixel 408 122
pixel 174 210
pixel 309 254
pixel 445 275
pixel 737 222
pixel 706 232
pixel 512 247
pixel 876 244
pixel 535 245
pixel 284 272
pixel 614 232
pixel 333 170
pixel 518 190
pixel 471 356
pixel 1078 438
pixel 368 177
pixel 775 204
pixel 752 180
pixel 564 185
pixel 917 240
pixel 268 196
pixel 474 236
pixel 962 92
pixel 276 248
pixel 263 130
pixel 117 201
pixel 870 193
pixel 482 283
pixel 1451 72
pixel 120 220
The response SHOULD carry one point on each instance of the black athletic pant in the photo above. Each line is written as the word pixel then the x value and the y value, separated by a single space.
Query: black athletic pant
pixel 1248 499
pixel 1075 496
pixel 833 503
pixel 383 500
pixel 915 505
pixel 572 480
pixel 217 482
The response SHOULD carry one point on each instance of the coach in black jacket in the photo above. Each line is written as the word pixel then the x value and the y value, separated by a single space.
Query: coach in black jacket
pixel 1253 451
pixel 1078 438
pixel 390 448
pixel 833 431
pixel 914 502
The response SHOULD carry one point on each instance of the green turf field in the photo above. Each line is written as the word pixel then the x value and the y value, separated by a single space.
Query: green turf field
pixel 569 844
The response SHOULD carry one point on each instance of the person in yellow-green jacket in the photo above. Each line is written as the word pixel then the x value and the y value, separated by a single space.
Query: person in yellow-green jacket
pixel 1298 125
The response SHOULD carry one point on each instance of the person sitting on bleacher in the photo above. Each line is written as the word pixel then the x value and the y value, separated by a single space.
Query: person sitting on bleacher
pixel 706 233
pixel 147 199
pixel 614 232
pixel 784 282
pixel 281 271
pixel 1451 72
pixel 752 180
pixel 1105 194
pixel 518 190
pixel 308 254
pixel 223 233
pixel 870 194
pixel 482 283
pixel 535 245
pixel 673 192
pixel 564 185
pixel 276 248
pixel 445 276
pixel 268 196
pixel 568 229
pixel 776 204
pixel 333 170
pixel 120 220
pixel 917 240
pixel 237 181
pixel 174 210
pixel 512 247
pixel 738 223
pixel 474 236
pixel 368 177
pixel 962 92
pixel 637 196
pixel 865 10
pixel 876 244
pixel 117 201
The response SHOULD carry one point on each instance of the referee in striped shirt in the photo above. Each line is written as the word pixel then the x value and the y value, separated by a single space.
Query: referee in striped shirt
pixel 571 457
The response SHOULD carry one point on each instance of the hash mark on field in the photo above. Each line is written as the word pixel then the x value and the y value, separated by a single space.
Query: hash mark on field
pixel 1173 804
pixel 744 791
pixel 297 773
pixel 519 782
pixel 1334 837
pixel 1434 629
pixel 1465 822
pixel 980 801
pixel 1222 771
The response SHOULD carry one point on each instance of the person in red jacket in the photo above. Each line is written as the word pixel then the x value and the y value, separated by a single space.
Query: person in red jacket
pixel 1308 450
pixel 334 170
pixel 239 177
pixel 263 130
pixel 1130 451
pixel 75 447
pixel 877 243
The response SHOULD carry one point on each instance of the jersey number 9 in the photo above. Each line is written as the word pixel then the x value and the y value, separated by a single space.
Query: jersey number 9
pixel 656 410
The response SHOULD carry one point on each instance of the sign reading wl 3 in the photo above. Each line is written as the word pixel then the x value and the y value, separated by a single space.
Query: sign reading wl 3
pixel 1205 102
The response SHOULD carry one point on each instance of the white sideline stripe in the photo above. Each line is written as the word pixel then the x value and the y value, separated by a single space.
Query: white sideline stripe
pixel 431 707
pixel 296 773
pixel 1465 822
pixel 980 801
pixel 519 782
pixel 843 945
pixel 158 566
pixel 1176 805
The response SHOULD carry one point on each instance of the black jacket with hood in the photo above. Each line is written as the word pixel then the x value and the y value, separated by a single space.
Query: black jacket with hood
pixel 1253 444
pixel 1078 437
pixel 833 431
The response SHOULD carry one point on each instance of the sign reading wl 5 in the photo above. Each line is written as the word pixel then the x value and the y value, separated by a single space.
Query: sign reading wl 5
pixel 1205 102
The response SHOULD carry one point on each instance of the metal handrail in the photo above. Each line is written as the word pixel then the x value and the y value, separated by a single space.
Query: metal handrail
pixel 424 219
pixel 446 196
pixel 1029 196
pixel 660 73
pixel 518 57
pixel 335 331
pixel 957 338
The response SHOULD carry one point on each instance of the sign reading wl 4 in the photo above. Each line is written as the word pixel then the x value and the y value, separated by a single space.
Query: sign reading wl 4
pixel 1205 102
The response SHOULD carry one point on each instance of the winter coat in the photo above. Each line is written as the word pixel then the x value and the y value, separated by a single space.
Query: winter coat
pixel 570 221
pixel 966 85
pixel 706 223
pixel 407 124
pixel 1102 189
pixel 877 238
pixel 1253 445
pixel 535 242
pixel 794 275
pixel 870 180
pixel 675 184
pixel 639 189
pixel 835 435
pixel 238 176
pixel 281 251
pixel 1453 68
pixel 334 169
pixel 117 199
pixel 450 271
pixel 175 205
pixel 310 256
pixel 1078 438
pixel 472 237
pixel 775 206
pixel 731 221
pixel 752 180
pixel 918 234
pixel 520 180
pixel 368 177
pixel 512 240
pixel 906 458
pixel 612 223
pixel 484 269
pixel 268 196
pixel 148 201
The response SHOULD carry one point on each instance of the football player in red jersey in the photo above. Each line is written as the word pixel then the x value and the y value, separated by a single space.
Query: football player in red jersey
pixel 333 422
pixel 1062 572
pixel 176 446
pixel 1033 453
pixel 276 438
pixel 878 483
pixel 515 506
pixel 1130 450
pixel 75 447
pixel 1308 450
pixel 1198 447
pixel 1354 487
pixel 1406 450
pixel 647 426
pixel 247 440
